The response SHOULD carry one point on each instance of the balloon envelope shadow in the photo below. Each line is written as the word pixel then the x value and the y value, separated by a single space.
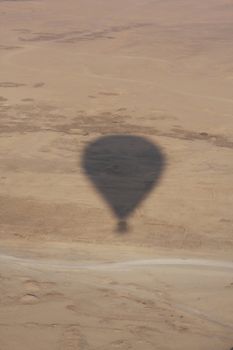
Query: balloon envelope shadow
pixel 124 169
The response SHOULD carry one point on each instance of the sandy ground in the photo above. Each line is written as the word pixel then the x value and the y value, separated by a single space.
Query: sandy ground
pixel 72 72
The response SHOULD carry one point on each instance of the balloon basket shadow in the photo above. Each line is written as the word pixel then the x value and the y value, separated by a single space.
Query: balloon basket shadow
pixel 122 227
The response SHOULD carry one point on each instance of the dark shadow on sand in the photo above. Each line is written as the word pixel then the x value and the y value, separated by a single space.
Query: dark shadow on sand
pixel 124 169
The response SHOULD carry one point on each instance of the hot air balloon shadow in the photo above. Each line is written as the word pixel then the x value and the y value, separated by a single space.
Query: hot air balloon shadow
pixel 124 169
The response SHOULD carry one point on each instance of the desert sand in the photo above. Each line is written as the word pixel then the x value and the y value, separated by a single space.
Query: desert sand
pixel 116 196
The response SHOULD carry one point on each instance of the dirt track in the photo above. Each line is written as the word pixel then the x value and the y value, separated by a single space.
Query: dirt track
pixel 158 77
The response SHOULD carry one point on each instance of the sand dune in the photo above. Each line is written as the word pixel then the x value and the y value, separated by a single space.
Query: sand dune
pixel 116 174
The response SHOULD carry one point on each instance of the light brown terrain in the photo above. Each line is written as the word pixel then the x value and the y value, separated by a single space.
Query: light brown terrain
pixel 75 71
